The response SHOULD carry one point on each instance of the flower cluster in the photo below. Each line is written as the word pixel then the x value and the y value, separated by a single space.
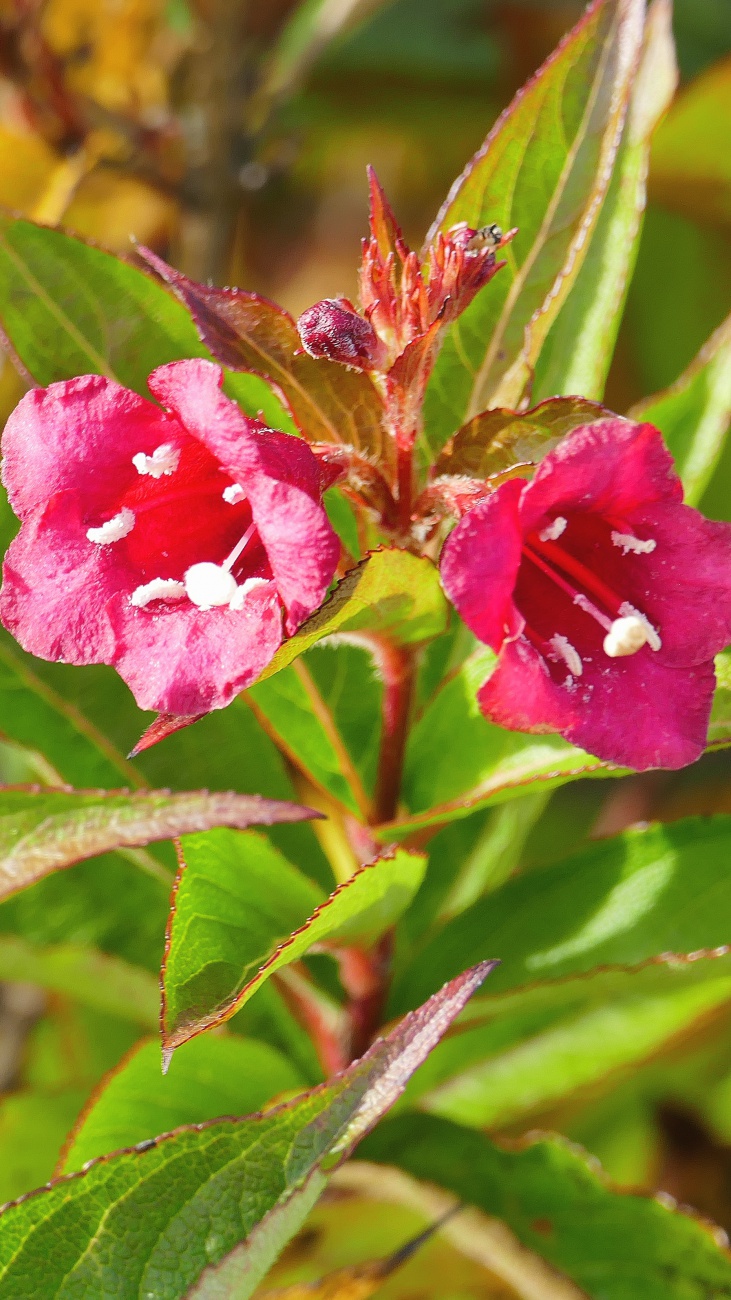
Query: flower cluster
pixel 173 543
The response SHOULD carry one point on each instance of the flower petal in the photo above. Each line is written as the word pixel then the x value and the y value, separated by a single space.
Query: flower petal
pixel 610 467
pixel 480 563
pixel 58 438
pixel 58 587
pixel 189 661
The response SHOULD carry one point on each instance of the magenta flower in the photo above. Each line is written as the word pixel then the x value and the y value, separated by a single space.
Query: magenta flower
pixel 170 543
pixel 605 597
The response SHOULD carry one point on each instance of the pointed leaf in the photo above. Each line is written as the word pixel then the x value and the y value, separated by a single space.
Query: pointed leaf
pixel 328 402
pixel 694 413
pixel 390 592
pixel 207 1209
pixel 241 912
pixel 578 351
pixel 545 168
pixel 560 1205
pixel 224 1075
pixel 497 440
pixel 44 830
pixel 70 308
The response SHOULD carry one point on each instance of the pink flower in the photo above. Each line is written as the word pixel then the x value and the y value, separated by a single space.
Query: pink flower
pixel 605 597
pixel 171 543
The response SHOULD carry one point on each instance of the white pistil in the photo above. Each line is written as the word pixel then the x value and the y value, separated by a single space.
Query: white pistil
pixel 114 529
pixel 590 608
pixel 628 542
pixel 231 559
pixel 164 460
pixel 568 653
pixel 629 633
pixel 233 494
pixel 157 589
pixel 240 594
pixel 554 530
pixel 208 585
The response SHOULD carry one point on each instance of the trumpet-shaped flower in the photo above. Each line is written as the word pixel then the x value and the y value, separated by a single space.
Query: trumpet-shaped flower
pixel 604 596
pixel 171 540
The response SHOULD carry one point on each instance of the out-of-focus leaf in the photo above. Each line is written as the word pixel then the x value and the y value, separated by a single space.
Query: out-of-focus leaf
pixel 224 1075
pixel 691 163
pixel 444 781
pixel 561 1206
pixel 82 972
pixel 204 1211
pixel 44 830
pixel 27 164
pixel 328 402
pixel 497 440
pixel 33 1126
pixel 298 719
pixel 479 1080
pixel 390 592
pixel 545 168
pixel 694 413
pixel 619 902
pixel 69 308
pixel 313 25
pixel 36 716
pixel 578 350
pixel 242 912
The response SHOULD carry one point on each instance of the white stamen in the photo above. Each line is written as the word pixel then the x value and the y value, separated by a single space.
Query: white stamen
pixel 589 607
pixel 568 653
pixel 554 530
pixel 629 633
pixel 208 585
pixel 240 594
pixel 157 589
pixel 233 494
pixel 114 529
pixel 628 542
pixel 628 611
pixel 164 460
pixel 231 559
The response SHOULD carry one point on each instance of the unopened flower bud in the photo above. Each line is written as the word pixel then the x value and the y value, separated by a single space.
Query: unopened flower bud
pixel 333 329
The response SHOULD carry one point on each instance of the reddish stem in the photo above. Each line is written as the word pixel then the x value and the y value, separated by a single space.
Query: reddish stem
pixel 396 664
pixel 364 976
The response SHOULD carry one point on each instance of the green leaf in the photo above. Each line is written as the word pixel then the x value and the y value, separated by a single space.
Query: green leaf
pixel 479 1078
pixel 578 351
pixel 93 978
pixel 444 780
pixel 242 912
pixel 209 1207
pixel 390 593
pixel 297 718
pixel 545 168
pixel 44 830
pixel 70 308
pixel 212 1076
pixel 498 440
pixel 33 1127
pixel 561 1206
pixel 619 902
pixel 694 413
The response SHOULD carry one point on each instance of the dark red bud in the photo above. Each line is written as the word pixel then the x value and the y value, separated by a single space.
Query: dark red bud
pixel 333 329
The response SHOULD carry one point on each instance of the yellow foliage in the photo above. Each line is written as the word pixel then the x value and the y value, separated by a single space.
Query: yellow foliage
pixel 108 47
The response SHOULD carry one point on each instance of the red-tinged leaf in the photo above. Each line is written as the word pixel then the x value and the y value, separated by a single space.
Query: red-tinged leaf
pixel 383 225
pixel 328 402
pixel 545 168
pixel 241 912
pixel 497 440
pixel 165 724
pixel 43 830
pixel 203 1211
